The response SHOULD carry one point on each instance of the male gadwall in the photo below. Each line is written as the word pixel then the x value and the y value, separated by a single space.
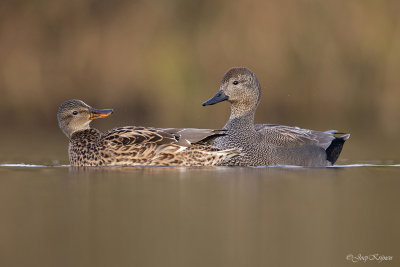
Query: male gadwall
pixel 268 144
pixel 132 145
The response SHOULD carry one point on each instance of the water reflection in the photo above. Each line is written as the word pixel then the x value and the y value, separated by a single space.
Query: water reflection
pixel 216 216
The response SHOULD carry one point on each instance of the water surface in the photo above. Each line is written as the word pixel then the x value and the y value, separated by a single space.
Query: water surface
pixel 217 216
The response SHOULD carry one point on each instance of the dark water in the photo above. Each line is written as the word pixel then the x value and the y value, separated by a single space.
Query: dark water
pixel 274 216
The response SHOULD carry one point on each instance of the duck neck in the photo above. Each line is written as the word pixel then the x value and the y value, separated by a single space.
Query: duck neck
pixel 241 121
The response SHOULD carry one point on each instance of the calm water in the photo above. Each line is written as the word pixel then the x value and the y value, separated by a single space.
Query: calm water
pixel 60 216
pixel 54 215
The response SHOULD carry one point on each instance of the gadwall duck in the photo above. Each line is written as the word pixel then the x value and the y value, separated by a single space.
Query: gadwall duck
pixel 133 146
pixel 268 144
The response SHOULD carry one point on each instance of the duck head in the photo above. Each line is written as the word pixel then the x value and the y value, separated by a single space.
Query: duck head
pixel 75 115
pixel 241 88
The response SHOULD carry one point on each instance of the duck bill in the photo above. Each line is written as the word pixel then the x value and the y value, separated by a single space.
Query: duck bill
pixel 219 97
pixel 100 113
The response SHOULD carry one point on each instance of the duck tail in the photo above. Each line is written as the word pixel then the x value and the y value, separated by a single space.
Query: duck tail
pixel 335 148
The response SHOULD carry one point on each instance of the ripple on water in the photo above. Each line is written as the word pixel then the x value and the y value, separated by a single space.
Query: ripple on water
pixel 27 165
pixel 364 165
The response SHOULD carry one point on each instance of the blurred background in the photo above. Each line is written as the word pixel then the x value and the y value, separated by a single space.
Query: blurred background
pixel 322 65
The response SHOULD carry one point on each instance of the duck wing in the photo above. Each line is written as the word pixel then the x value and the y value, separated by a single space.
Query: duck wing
pixel 151 146
pixel 189 136
pixel 133 135
pixel 287 136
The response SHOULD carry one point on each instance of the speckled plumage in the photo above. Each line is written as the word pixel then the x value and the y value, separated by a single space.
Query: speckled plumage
pixel 268 144
pixel 136 146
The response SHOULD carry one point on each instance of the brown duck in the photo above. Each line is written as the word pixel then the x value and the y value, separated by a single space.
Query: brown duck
pixel 268 144
pixel 135 146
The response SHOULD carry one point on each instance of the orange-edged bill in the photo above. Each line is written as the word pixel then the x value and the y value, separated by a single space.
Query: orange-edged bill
pixel 100 113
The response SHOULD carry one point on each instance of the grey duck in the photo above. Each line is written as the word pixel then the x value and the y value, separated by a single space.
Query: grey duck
pixel 268 144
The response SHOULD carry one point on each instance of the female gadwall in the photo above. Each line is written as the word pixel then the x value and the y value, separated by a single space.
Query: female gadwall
pixel 268 144
pixel 133 146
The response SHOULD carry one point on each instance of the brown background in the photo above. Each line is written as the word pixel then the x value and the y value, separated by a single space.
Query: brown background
pixel 322 64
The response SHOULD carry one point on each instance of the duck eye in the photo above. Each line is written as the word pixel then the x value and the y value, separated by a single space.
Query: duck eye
pixel 235 82
pixel 75 112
